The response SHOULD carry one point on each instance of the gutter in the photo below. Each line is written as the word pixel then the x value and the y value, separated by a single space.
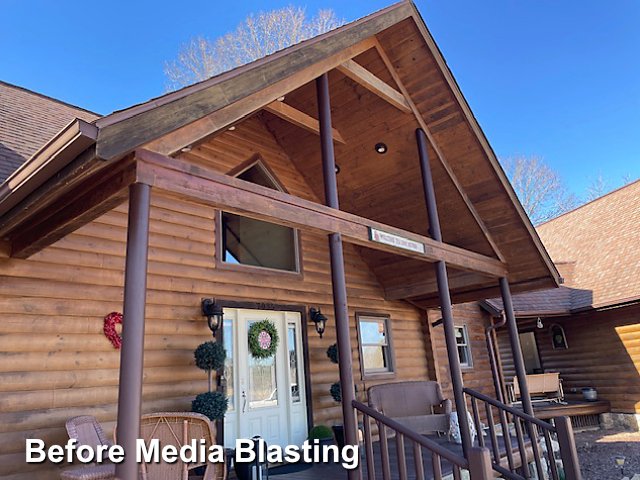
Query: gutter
pixel 56 154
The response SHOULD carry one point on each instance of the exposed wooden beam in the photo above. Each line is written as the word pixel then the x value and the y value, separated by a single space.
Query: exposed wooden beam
pixel 233 195
pixel 430 287
pixel 301 119
pixel 73 211
pixel 372 83
pixel 439 153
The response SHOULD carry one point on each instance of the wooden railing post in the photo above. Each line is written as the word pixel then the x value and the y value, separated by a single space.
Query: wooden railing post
pixel 568 451
pixel 480 464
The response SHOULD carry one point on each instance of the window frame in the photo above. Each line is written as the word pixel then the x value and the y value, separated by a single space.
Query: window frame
pixel 377 374
pixel 465 333
pixel 254 160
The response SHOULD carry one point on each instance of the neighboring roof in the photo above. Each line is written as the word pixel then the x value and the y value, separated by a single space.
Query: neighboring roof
pixel 596 249
pixel 27 121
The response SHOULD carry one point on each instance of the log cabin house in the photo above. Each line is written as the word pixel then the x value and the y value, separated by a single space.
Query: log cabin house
pixel 344 174
pixel 588 330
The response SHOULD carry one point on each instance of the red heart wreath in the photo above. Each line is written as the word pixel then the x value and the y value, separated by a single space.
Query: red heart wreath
pixel 110 322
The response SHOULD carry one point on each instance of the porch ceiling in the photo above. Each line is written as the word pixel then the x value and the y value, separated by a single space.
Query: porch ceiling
pixel 478 209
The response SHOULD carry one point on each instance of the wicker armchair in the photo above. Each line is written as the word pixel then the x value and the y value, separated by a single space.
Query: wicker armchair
pixel 87 431
pixel 178 429
pixel 413 404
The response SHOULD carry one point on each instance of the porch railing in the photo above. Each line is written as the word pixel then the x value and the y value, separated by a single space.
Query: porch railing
pixel 528 432
pixel 478 462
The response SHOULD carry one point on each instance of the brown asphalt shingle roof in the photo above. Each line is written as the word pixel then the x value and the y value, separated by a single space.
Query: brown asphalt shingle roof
pixel 27 121
pixel 596 248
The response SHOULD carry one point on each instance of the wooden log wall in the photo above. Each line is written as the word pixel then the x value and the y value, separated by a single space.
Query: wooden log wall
pixel 55 362
pixel 478 377
pixel 604 352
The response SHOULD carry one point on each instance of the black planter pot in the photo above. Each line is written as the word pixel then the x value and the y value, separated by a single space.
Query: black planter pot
pixel 338 433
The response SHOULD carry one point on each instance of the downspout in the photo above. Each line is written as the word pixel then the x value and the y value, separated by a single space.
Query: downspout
pixel 488 331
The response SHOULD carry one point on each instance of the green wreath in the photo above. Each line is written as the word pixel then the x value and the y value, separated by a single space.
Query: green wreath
pixel 263 339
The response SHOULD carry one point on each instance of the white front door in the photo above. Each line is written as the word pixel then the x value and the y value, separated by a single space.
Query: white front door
pixel 266 396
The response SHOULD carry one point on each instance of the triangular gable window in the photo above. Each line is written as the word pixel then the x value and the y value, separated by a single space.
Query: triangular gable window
pixel 246 241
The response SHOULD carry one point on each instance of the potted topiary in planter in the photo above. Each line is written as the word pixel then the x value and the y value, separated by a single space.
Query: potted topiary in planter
pixel 211 404
pixel 322 433
pixel 210 356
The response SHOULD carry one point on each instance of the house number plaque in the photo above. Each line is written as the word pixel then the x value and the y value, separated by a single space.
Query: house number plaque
pixel 394 240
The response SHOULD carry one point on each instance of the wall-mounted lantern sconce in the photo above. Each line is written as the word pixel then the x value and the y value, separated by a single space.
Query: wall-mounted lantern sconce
pixel 214 314
pixel 319 319
pixel 539 323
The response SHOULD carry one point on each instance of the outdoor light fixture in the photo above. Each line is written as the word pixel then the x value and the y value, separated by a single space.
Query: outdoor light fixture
pixel 337 169
pixel 214 314
pixel 319 319
pixel 620 463
pixel 381 148
pixel 186 149
pixel 539 323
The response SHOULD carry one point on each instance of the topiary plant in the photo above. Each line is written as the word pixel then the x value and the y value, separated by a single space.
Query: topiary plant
pixel 332 353
pixel 336 391
pixel 210 356
pixel 320 432
pixel 211 404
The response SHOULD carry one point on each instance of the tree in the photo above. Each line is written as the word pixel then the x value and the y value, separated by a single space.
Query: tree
pixel 539 187
pixel 255 37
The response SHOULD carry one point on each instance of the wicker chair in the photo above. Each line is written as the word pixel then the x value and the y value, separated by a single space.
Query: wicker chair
pixel 178 429
pixel 87 431
pixel 413 404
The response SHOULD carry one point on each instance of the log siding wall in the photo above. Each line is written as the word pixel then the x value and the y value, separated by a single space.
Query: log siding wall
pixel 604 352
pixel 55 362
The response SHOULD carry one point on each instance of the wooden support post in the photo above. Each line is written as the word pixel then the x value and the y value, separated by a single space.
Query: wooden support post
pixel 516 348
pixel 568 451
pixel 338 279
pixel 445 296
pixel 132 352
pixel 480 463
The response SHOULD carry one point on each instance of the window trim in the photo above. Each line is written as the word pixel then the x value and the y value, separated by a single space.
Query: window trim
pixel 467 344
pixel 392 372
pixel 219 232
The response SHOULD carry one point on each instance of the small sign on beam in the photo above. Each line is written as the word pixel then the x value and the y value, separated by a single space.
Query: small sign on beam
pixel 394 240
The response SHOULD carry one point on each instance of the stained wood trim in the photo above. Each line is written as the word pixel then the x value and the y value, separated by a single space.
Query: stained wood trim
pixel 372 83
pixel 393 373
pixel 301 119
pixel 244 198
pixel 439 153
pixel 302 310
pixel 74 210
pixel 250 162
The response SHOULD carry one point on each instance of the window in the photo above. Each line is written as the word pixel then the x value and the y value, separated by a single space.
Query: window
pixel 246 241
pixel 464 347
pixel 558 337
pixel 375 345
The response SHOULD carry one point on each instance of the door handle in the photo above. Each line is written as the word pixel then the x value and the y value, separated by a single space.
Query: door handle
pixel 244 401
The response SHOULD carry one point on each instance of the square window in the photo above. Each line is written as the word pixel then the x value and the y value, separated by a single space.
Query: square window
pixel 375 345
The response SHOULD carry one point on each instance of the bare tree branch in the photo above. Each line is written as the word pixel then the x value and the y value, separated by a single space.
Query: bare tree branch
pixel 539 187
pixel 256 36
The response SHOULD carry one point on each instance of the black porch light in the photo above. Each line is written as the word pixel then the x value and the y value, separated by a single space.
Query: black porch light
pixel 213 312
pixel 319 319
pixel 381 148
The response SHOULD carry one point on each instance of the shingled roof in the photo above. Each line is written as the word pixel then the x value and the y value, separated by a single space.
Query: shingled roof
pixel 596 250
pixel 27 121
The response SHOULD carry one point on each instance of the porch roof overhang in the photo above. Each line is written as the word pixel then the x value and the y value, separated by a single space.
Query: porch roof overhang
pixel 488 233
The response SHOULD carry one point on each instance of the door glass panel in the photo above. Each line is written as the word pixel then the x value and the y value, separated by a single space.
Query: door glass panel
pixel 292 339
pixel 227 336
pixel 263 386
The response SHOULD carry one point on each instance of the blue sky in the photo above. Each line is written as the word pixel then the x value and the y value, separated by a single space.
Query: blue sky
pixel 559 79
